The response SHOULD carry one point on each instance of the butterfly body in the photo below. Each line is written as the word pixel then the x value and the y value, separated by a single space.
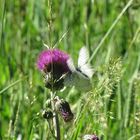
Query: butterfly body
pixel 82 74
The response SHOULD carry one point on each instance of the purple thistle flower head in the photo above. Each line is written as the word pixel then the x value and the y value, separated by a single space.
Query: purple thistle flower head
pixel 53 63
pixel 52 56
pixel 90 137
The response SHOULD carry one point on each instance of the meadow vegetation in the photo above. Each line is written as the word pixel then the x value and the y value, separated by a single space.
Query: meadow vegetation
pixel 111 31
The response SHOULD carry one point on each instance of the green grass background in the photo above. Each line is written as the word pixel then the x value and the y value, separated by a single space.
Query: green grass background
pixel 112 109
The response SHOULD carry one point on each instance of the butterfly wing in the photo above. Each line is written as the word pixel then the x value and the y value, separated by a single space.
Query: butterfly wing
pixel 69 81
pixel 83 57
pixel 83 64
pixel 82 83
pixel 70 64
pixel 87 69
pixel 77 79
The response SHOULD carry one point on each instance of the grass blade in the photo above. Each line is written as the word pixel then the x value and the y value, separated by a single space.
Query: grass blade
pixel 11 85
pixel 110 29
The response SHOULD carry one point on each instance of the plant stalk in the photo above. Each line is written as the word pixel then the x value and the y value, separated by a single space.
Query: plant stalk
pixel 55 119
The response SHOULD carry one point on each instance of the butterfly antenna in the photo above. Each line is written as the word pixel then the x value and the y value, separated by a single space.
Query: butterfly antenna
pixel 61 38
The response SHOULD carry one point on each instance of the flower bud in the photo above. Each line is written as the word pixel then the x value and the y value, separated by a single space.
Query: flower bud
pixel 47 114
pixel 64 110
pixel 90 137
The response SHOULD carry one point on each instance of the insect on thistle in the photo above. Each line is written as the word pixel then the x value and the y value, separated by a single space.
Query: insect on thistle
pixel 80 76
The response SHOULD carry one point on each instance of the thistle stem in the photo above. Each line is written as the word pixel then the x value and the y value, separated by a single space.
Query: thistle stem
pixel 55 119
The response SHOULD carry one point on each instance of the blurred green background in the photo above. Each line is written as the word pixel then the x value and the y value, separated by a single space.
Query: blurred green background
pixel 112 109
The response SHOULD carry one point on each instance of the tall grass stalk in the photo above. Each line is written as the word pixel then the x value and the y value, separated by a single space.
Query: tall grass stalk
pixel 110 29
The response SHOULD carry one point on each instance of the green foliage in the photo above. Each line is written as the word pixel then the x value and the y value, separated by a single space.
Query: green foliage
pixel 112 109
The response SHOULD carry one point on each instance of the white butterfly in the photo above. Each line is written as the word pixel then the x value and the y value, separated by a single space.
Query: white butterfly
pixel 80 76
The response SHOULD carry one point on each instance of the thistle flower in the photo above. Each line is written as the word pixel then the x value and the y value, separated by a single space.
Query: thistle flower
pixel 63 108
pixel 90 137
pixel 53 63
